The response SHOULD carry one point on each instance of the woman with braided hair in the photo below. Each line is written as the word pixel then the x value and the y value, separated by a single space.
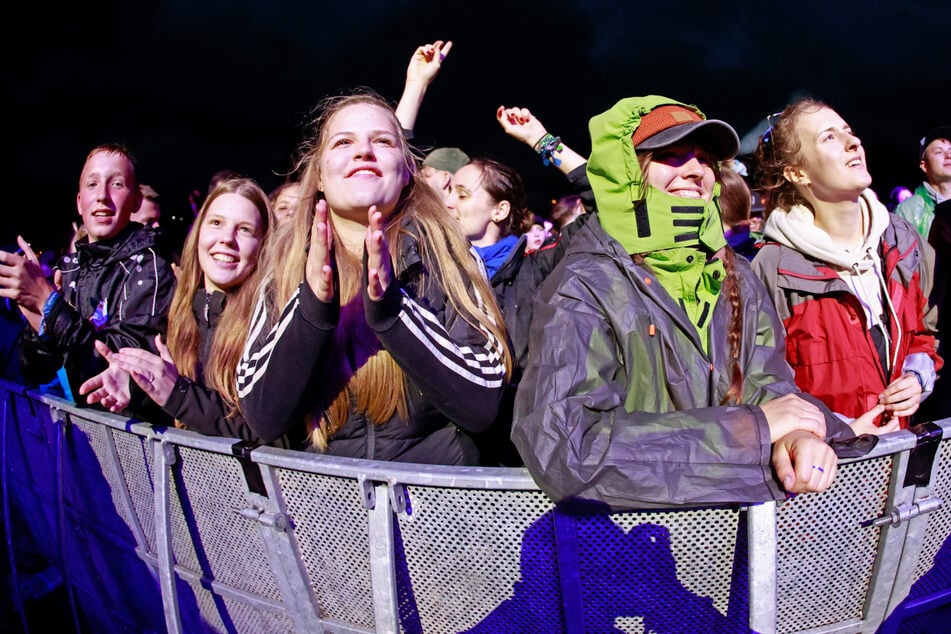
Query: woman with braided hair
pixel 656 370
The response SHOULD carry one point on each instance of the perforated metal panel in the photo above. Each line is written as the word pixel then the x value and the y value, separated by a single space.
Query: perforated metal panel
pixel 209 537
pixel 135 458
pixel 454 543
pixel 933 572
pixel 330 522
pixel 207 611
pixel 689 570
pixel 824 556
pixel 92 471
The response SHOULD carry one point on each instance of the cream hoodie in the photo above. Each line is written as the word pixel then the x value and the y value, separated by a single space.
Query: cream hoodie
pixel 860 268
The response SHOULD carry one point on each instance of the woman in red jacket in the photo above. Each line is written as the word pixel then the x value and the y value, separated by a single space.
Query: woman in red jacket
pixel 846 276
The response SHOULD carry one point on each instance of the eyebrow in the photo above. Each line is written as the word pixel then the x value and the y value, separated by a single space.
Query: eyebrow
pixel 370 133
pixel 833 128
pixel 108 176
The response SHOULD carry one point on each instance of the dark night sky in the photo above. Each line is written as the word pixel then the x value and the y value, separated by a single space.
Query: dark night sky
pixel 192 87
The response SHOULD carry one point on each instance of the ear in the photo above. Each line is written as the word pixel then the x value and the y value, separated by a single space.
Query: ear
pixel 923 166
pixel 79 208
pixel 795 175
pixel 501 211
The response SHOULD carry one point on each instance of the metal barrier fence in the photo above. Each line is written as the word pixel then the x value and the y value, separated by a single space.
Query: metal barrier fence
pixel 158 529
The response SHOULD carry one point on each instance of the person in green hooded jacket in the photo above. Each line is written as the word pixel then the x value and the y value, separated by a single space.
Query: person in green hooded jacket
pixel 656 370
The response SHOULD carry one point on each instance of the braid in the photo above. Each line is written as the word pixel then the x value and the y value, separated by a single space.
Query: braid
pixel 734 335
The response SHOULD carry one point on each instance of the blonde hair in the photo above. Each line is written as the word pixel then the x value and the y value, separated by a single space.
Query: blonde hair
pixel 377 388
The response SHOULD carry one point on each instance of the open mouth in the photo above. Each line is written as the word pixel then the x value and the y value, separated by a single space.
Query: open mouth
pixel 365 171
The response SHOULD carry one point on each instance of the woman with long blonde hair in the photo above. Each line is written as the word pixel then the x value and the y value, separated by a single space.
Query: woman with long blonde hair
pixel 374 328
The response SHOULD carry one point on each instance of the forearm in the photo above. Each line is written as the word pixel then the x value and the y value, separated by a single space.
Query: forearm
pixel 407 110
pixel 276 372
pixel 458 370
pixel 574 448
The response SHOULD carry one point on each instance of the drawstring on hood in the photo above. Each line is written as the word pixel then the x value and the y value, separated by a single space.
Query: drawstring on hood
pixel 860 268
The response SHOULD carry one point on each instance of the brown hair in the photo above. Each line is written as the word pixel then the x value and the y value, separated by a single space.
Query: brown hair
pixel 117 148
pixel 183 336
pixel 734 334
pixel 377 388
pixel 735 198
pixel 501 182
pixel 778 149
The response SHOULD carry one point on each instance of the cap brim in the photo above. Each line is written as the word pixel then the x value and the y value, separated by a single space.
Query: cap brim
pixel 941 132
pixel 716 136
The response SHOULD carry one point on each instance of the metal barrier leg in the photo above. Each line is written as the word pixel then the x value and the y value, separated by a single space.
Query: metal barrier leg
pixel 164 457
pixel 62 422
pixel 382 558
pixel 7 523
pixel 761 528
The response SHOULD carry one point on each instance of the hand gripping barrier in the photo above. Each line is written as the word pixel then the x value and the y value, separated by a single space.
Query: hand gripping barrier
pixel 156 529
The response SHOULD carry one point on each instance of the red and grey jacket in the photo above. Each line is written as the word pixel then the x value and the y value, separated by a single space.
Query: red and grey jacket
pixel 828 341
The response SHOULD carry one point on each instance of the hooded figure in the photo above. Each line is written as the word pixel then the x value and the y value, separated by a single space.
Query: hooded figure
pixel 656 372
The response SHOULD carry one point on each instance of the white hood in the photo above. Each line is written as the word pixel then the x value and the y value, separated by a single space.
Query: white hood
pixel 796 229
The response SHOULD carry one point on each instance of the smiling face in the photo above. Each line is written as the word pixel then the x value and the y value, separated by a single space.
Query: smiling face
pixel 108 194
pixel 362 162
pixel 229 239
pixel 682 169
pixel 831 162
pixel 478 213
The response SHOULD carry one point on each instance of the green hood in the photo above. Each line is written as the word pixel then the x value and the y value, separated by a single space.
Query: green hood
pixel 643 223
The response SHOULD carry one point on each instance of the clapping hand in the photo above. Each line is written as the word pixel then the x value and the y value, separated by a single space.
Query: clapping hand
pixel 379 264
pixel 319 269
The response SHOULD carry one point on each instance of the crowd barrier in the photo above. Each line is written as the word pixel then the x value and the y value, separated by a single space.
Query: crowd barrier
pixel 158 529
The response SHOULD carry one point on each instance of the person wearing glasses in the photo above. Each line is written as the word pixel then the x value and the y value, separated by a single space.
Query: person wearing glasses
pixel 848 278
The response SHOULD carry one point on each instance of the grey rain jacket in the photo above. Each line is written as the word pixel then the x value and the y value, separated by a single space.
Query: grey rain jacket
pixel 619 403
